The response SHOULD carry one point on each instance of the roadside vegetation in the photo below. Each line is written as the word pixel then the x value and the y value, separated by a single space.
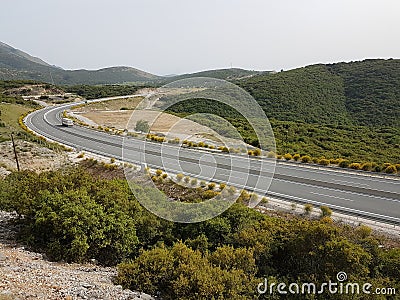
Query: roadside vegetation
pixel 102 91
pixel 76 215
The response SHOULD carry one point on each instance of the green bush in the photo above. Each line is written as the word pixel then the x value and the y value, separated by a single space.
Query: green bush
pixel 305 159
pixel 324 162
pixel 288 156
pixel 325 211
pixel 308 208
pixel 296 157
pixel 355 166
pixel 72 216
pixel 391 169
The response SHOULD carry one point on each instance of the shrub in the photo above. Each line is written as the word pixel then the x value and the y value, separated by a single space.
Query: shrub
pixel 366 166
pixel 288 156
pixel 391 169
pixel 222 186
pixel 296 157
pixel 186 179
pixel 232 190
pixel 325 211
pixel 71 216
pixel 257 152
pixel 208 194
pixel 179 177
pixel 225 150
pixel 203 183
pixel 305 159
pixel 193 182
pixel 344 164
pixel 335 161
pixel 324 162
pixel 142 126
pixel 308 208
pixel 355 166
pixel 211 186
pixel 159 172
pixel 112 160
pixel 81 155
pixel 164 176
pixel 271 154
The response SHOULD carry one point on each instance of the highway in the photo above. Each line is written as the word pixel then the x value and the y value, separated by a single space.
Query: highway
pixel 353 193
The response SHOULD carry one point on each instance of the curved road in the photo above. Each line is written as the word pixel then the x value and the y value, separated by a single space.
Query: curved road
pixel 348 192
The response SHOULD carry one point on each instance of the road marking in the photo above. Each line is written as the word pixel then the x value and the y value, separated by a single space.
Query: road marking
pixel 319 194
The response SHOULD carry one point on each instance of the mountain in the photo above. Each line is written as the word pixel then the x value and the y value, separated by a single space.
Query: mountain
pixel 343 94
pixel 16 64
pixel 356 93
pixel 225 74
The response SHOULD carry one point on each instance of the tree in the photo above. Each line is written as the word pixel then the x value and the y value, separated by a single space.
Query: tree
pixel 142 126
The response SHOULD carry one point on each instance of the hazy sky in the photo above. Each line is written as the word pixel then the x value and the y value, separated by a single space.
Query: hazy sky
pixel 178 36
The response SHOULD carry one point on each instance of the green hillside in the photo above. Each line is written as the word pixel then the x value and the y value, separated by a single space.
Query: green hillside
pixel 359 93
pixel 372 90
pixel 16 64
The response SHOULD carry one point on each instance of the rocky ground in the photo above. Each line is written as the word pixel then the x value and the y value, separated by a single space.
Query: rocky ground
pixel 28 275
pixel 31 156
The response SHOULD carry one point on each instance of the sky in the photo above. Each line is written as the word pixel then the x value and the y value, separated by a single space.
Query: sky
pixel 182 36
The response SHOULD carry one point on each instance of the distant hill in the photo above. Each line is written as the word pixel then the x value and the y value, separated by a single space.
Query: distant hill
pixel 16 64
pixel 225 74
pixel 357 93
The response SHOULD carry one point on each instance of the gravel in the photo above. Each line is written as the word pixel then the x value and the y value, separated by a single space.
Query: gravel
pixel 27 275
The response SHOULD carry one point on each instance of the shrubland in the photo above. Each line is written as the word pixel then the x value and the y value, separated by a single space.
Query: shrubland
pixel 76 216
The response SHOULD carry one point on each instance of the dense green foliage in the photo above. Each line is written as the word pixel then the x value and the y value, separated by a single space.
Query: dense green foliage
pixel 74 216
pixel 372 90
pixel 102 91
pixel 354 143
pixel 311 94
pixel 11 108
pixel 359 93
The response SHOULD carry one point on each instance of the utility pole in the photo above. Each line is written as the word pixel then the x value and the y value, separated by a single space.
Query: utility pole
pixel 15 152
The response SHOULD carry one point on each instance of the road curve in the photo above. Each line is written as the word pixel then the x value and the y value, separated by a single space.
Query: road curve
pixel 348 192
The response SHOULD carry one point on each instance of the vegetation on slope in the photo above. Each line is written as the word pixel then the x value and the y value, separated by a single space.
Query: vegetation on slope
pixel 102 91
pixel 15 64
pixel 372 90
pixel 11 108
pixel 74 216
pixel 359 93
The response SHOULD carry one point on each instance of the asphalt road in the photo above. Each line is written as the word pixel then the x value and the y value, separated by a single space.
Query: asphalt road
pixel 351 192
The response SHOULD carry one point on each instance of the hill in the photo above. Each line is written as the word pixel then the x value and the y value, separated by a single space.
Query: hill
pixel 225 74
pixel 16 64
pixel 357 93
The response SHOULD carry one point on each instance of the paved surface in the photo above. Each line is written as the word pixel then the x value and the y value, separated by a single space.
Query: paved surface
pixel 353 192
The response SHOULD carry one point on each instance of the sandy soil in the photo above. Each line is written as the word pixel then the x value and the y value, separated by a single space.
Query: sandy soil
pixel 31 157
pixel 170 125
